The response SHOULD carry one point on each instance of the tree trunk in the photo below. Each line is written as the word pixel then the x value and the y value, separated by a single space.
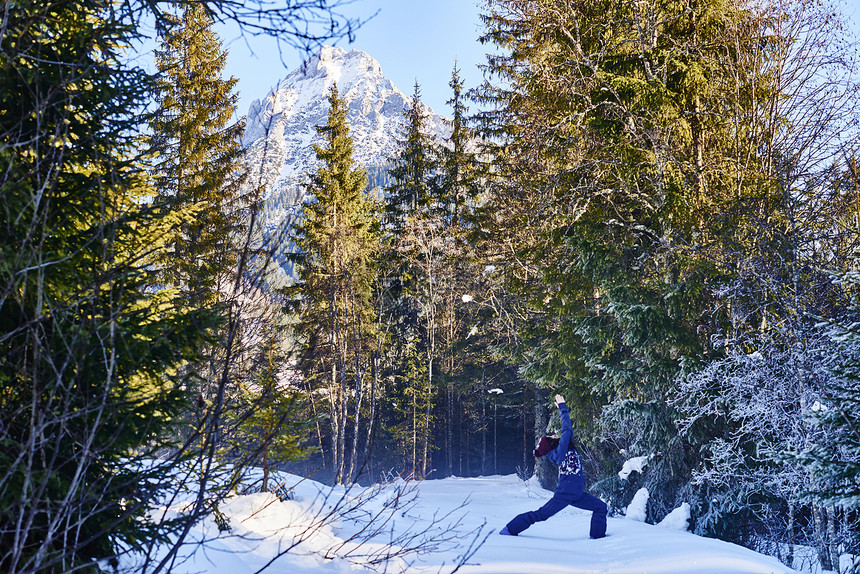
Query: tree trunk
pixel 449 405
pixel 832 540
pixel 463 445
pixel 483 425
pixel 265 486
pixel 371 421
pixel 427 412
pixel 790 534
pixel 337 408
pixel 343 410
pixel 449 430
pixel 359 395
pixel 524 414
pixel 495 438
pixel 358 391
pixel 317 425
pixel 415 432
pixel 335 434
pixel 821 546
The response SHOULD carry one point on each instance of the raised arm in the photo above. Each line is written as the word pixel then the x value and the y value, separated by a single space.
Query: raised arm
pixel 566 426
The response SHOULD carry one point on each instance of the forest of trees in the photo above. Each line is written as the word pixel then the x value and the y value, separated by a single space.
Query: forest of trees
pixel 651 207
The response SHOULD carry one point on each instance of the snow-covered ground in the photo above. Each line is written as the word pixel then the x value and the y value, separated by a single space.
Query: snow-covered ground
pixel 435 524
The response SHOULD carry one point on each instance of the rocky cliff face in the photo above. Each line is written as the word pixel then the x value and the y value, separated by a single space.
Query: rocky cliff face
pixel 281 128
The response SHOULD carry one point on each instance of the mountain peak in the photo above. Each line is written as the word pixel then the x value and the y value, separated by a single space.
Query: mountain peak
pixel 334 59
pixel 281 128
pixel 334 64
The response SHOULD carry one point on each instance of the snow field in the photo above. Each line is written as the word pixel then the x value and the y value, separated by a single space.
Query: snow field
pixel 430 530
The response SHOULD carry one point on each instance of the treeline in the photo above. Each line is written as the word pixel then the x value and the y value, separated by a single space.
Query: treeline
pixel 399 323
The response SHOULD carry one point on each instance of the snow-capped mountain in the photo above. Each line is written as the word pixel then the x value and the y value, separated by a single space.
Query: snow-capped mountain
pixel 281 128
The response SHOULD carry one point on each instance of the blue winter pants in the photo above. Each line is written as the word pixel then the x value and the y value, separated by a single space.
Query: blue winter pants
pixel 558 501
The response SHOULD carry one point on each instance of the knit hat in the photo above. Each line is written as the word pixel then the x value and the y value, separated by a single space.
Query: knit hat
pixel 546 444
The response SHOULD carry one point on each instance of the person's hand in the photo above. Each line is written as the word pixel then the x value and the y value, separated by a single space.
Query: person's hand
pixel 558 400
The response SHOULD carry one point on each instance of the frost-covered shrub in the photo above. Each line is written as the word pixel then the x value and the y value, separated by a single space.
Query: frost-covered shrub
pixel 747 412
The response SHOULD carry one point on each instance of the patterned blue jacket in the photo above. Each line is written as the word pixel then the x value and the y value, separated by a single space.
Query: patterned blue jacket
pixel 567 459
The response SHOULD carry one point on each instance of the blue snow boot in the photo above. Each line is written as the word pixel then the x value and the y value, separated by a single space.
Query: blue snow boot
pixel 505 532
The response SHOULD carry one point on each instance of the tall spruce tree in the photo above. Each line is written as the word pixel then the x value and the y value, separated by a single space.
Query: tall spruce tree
pixel 463 271
pixel 779 294
pixel 199 154
pixel 414 212
pixel 339 243
pixel 93 344
pixel 674 163
pixel 460 181
pixel 413 168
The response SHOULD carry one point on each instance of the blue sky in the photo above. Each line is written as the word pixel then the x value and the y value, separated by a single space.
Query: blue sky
pixel 411 39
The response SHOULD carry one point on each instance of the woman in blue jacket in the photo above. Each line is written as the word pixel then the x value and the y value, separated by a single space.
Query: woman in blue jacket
pixel 571 482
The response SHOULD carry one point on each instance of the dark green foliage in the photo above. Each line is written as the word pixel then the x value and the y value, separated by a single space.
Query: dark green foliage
pixel 414 169
pixel 834 458
pixel 642 196
pixel 89 344
pixel 409 301
pixel 597 175
pixel 93 347
pixel 460 183
pixel 197 175
pixel 273 425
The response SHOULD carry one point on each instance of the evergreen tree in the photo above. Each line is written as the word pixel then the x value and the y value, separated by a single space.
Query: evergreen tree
pixel 90 344
pixel 339 243
pixel 198 153
pixel 413 169
pixel 463 272
pixel 460 185
pixel 197 157
pixel 662 188
pixel 777 293
pixel 832 459
pixel 612 184
pixel 420 217
pixel 271 426
pixel 93 344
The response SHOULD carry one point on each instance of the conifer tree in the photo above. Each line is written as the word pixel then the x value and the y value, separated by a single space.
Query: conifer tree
pixel 789 230
pixel 610 171
pixel 90 343
pixel 271 426
pixel 198 152
pixel 93 343
pixel 413 169
pixel 461 273
pixel 460 181
pixel 832 459
pixel 414 209
pixel 339 242
pixel 666 228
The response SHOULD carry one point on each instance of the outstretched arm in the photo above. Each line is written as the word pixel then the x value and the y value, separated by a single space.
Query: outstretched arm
pixel 566 426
